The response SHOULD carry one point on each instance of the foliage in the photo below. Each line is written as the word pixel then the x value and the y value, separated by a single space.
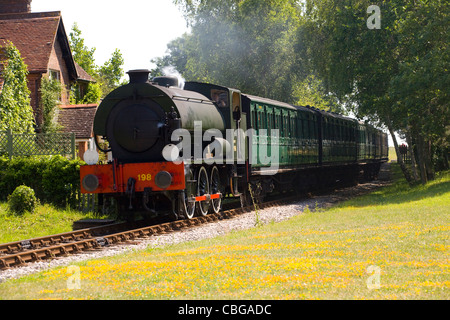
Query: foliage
pixel 107 77
pixel 111 72
pixel 54 179
pixel 396 76
pixel 16 112
pixel 81 53
pixel 91 94
pixel 311 92
pixel 251 45
pixel 22 200
pixel 60 181
pixel 322 53
pixel 244 44
pixel 50 94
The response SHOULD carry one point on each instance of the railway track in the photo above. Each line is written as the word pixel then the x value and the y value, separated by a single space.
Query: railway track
pixel 16 254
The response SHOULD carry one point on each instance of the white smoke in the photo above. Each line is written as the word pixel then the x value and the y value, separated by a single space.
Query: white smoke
pixel 170 71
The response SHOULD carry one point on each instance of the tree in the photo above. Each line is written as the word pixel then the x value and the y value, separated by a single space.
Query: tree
pixel 312 92
pixel 394 75
pixel 420 87
pixel 386 63
pixel 246 44
pixel 111 72
pixel 107 76
pixel 16 112
pixel 83 55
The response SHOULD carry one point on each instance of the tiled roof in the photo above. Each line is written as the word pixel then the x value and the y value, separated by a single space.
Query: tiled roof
pixel 78 119
pixel 83 75
pixel 33 34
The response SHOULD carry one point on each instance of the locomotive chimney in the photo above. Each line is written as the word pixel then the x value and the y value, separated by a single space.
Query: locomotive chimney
pixel 139 75
pixel 15 6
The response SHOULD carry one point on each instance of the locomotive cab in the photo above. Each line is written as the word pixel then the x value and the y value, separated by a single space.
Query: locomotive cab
pixel 227 100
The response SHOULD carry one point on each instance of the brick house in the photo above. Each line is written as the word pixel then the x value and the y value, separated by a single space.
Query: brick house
pixel 78 119
pixel 44 46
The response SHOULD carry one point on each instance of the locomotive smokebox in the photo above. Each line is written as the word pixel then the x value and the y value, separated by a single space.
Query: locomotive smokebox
pixel 166 81
pixel 138 76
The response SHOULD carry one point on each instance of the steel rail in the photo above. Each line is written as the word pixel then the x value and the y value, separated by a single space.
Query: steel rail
pixel 36 243
pixel 22 252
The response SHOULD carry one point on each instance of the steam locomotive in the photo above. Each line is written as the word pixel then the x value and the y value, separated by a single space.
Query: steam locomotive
pixel 182 151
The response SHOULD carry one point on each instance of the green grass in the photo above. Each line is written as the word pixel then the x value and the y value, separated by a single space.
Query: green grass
pixel 397 235
pixel 44 221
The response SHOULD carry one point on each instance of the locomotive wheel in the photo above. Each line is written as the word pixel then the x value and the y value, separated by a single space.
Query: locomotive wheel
pixel 202 189
pixel 189 206
pixel 215 188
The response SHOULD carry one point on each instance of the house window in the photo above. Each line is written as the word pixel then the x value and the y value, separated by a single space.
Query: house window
pixel 54 75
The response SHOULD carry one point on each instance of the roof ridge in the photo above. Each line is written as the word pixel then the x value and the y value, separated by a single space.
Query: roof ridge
pixel 31 15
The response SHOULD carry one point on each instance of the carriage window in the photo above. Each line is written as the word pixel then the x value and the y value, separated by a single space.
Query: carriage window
pixel 260 119
pixel 313 136
pixel 305 129
pixel 280 124
pixel 293 131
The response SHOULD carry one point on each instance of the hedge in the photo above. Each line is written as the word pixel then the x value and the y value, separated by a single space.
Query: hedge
pixel 54 179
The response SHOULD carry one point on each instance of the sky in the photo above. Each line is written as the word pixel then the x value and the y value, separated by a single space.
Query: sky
pixel 141 29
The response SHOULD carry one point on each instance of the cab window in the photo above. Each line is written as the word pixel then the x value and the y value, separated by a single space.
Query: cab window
pixel 220 98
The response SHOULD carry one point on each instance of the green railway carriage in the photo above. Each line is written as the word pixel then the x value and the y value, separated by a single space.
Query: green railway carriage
pixel 371 143
pixel 310 137
pixel 306 146
pixel 291 130
pixel 338 139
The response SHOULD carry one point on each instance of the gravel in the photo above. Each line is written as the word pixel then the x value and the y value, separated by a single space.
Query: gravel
pixel 210 230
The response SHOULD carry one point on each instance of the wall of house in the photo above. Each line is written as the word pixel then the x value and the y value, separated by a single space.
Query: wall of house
pixel 57 63
pixel 82 148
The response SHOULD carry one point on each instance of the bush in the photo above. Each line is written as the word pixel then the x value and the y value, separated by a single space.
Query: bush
pixel 22 200
pixel 61 181
pixel 55 179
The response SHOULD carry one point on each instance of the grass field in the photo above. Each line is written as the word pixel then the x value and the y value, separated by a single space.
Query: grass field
pixel 391 244
pixel 44 221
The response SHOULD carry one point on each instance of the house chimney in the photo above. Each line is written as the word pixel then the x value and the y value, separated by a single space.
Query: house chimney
pixel 15 6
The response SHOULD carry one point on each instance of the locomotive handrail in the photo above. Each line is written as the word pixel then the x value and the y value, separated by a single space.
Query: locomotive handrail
pixel 181 98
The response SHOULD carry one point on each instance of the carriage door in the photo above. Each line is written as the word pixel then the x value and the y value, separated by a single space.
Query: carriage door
pixel 239 123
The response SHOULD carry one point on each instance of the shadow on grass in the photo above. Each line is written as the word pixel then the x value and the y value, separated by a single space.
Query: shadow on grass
pixel 400 192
